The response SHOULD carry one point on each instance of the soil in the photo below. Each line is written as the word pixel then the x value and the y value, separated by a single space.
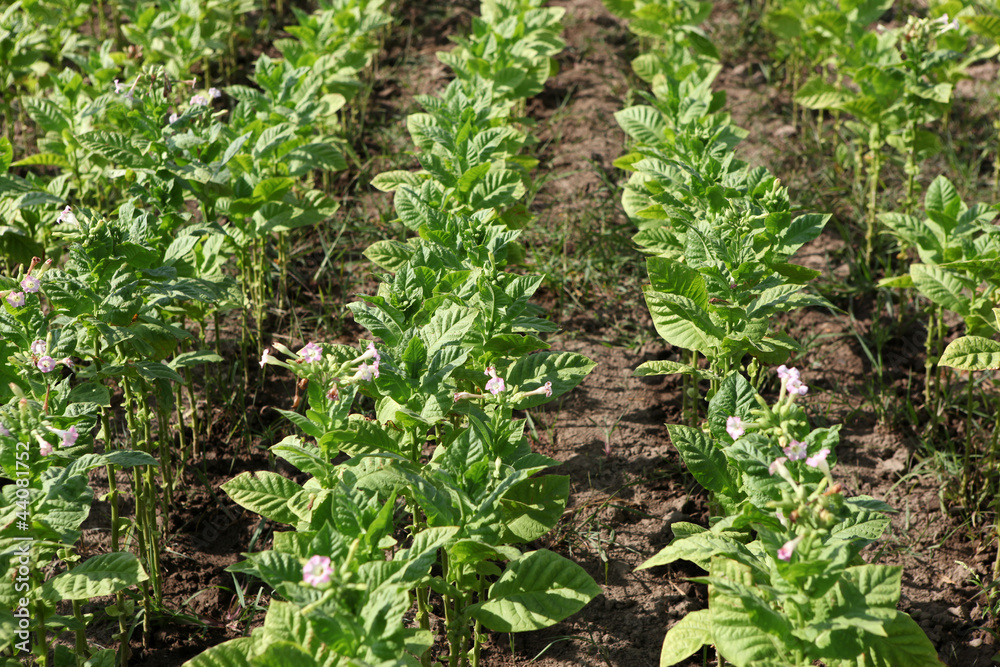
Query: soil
pixel 628 484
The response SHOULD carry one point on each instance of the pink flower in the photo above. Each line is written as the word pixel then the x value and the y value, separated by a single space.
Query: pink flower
pixel 46 364
pixel 16 299
pixel 214 93
pixel 366 372
pixel 118 87
pixel 544 389
pixel 266 357
pixel 199 101
pixel 777 465
pixel 818 460
pixel 786 551
pixel 173 118
pixel 69 436
pixel 495 384
pixel 3 430
pixel 796 450
pixel 38 347
pixel 67 362
pixel 375 355
pixel 31 284
pixel 311 352
pixel 317 571
pixel 734 427
pixel 44 446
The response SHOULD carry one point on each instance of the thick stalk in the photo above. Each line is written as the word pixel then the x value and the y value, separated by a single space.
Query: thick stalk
pixel 874 169
pixel 41 638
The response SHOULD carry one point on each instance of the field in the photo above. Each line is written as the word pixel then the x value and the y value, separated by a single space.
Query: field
pixel 188 384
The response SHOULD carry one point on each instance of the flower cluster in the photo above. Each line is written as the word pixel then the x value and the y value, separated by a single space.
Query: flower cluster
pixel 790 382
pixel 67 438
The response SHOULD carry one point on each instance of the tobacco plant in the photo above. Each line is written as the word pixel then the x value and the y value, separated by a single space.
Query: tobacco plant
pixel 786 583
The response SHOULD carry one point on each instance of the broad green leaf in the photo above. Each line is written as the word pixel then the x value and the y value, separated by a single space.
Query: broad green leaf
pixel 906 644
pixel 671 277
pixel 531 508
pixel 680 322
pixel 388 181
pixel 234 653
pixel 643 123
pixel 706 462
pixel 105 574
pixel 535 591
pixel 686 636
pixel 972 353
pixel 266 494
pixel 564 370
pixel 941 286
pixel 698 548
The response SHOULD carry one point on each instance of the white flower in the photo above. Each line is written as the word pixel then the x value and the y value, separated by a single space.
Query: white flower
pixel 266 357
pixel 214 93
pixel 67 216
pixel 38 347
pixel 173 118
pixel 734 427
pixel 199 101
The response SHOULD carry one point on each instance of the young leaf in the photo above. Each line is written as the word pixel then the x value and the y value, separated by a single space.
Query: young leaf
pixel 686 636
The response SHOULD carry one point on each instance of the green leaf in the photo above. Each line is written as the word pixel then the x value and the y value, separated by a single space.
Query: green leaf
pixel 388 181
pixel 735 398
pixel 680 322
pixel 665 367
pixel 266 494
pixel 941 286
pixel 234 653
pixel 537 590
pixel 564 370
pixel 533 507
pixel 643 123
pixel 972 353
pixel 906 644
pixel 706 462
pixel 818 94
pixel 699 548
pixel 671 277
pixel 686 636
pixel 101 575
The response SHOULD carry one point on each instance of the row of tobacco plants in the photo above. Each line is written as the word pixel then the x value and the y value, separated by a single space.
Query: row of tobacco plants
pixel 144 189
pixel 421 483
pixel 786 581
pixel 891 93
